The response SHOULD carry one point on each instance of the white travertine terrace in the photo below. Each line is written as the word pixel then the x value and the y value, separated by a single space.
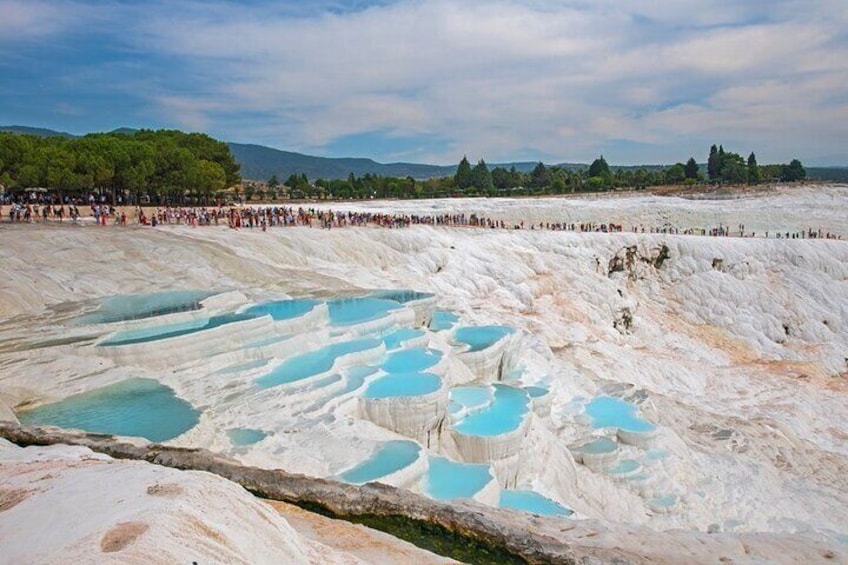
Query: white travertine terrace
pixel 491 363
pixel 742 360
pixel 163 353
pixel 420 417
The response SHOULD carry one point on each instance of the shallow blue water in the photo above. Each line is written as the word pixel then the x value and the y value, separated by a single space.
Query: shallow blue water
pixel 140 306
pixel 503 415
pixel 606 411
pixel 403 384
pixel 402 296
pixel 625 466
pixel 145 335
pixel 284 309
pixel 533 502
pixel 396 338
pixel 323 382
pixel 536 391
pixel 390 457
pixel 666 501
pixel 443 320
pixel 481 337
pixel 241 437
pixel 448 480
pixel 472 396
pixel 314 362
pixel 135 407
pixel 411 360
pixel 454 408
pixel 348 311
pixel 600 445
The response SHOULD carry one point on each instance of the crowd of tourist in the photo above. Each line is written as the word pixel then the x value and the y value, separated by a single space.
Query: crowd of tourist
pixel 265 217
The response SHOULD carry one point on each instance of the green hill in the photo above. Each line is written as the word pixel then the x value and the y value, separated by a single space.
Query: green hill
pixel 40 132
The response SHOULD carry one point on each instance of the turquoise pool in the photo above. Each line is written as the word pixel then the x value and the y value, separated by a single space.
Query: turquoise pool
pixel 145 335
pixel 667 501
pixel 390 457
pixel 443 320
pixel 504 414
pixel 472 397
pixel 283 309
pixel 350 311
pixel 241 437
pixel 135 407
pixel 314 362
pixel 402 296
pixel 411 360
pixel 403 384
pixel 481 337
pixel 449 480
pixel 536 391
pixel 396 338
pixel 606 411
pixel 140 306
pixel 533 502
pixel 599 446
pixel 625 467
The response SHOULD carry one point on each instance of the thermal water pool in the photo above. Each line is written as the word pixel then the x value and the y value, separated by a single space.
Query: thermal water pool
pixel 395 339
pixel 536 391
pixel 606 411
pixel 533 502
pixel 443 320
pixel 504 414
pixel 411 360
pixel 403 384
pixel 135 407
pixel 314 362
pixel 139 306
pixel 390 457
pixel 350 311
pixel 402 296
pixel 625 468
pixel 145 335
pixel 481 337
pixel 283 309
pixel 472 398
pixel 449 480
pixel 241 437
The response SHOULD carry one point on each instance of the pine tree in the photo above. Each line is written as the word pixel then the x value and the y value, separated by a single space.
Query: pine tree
pixel 753 169
pixel 481 178
pixel 540 177
pixel 463 178
pixel 714 164
pixel 599 167
pixel 691 169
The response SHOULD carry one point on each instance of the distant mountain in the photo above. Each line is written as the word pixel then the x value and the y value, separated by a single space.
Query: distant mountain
pixel 40 132
pixel 260 163
pixel 833 174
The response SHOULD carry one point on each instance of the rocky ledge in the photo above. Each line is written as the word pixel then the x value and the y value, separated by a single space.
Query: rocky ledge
pixel 465 530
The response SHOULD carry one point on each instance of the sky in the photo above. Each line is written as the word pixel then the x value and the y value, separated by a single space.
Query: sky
pixel 637 81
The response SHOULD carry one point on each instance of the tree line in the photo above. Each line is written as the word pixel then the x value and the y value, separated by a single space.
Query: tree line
pixel 172 167
pixel 164 166
pixel 479 180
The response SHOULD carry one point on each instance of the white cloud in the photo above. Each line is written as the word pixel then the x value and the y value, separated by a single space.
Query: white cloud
pixel 562 79
pixel 26 20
